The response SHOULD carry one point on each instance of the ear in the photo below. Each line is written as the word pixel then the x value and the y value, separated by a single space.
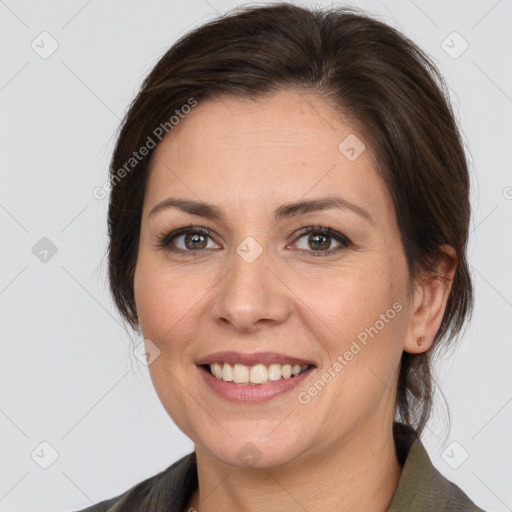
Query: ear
pixel 429 303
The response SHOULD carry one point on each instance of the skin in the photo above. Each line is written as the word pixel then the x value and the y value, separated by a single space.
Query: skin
pixel 248 158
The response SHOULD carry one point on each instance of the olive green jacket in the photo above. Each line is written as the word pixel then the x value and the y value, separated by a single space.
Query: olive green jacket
pixel 421 487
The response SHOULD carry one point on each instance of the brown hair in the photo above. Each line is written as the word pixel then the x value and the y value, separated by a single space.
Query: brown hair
pixel 388 88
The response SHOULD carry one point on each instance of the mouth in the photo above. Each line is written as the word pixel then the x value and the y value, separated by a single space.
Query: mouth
pixel 252 378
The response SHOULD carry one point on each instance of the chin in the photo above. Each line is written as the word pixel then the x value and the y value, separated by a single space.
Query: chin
pixel 250 447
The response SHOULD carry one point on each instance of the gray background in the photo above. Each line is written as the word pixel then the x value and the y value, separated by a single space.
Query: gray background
pixel 68 377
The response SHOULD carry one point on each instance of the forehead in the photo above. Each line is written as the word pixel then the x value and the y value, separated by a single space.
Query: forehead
pixel 260 152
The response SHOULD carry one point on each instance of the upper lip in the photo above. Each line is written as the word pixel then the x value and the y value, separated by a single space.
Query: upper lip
pixel 255 358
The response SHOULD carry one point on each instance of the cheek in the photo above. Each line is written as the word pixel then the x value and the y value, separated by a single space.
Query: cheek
pixel 162 295
pixel 164 305
pixel 171 304
pixel 350 298
pixel 362 311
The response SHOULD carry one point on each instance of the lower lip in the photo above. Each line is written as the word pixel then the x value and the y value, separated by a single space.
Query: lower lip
pixel 252 393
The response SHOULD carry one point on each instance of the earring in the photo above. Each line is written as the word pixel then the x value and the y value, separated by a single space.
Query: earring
pixel 420 340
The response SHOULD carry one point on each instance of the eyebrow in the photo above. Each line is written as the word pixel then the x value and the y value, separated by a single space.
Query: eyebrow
pixel 286 210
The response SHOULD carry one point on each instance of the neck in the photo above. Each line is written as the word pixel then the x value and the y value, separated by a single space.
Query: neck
pixel 362 473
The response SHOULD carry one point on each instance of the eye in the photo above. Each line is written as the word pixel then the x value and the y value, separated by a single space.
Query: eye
pixel 319 239
pixel 188 239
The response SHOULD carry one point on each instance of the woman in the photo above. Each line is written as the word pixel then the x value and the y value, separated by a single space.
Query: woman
pixel 283 233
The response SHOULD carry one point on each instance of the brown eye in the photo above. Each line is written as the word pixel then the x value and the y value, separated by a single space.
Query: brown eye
pixel 195 241
pixel 187 240
pixel 320 240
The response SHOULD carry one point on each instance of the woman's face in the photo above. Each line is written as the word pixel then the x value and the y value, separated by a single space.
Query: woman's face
pixel 264 289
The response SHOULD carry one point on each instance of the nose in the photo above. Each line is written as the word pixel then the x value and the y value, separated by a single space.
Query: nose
pixel 250 296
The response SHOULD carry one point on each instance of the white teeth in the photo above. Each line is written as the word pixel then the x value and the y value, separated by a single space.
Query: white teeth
pixel 286 371
pixel 274 372
pixel 258 374
pixel 240 373
pixel 217 370
pixel 227 373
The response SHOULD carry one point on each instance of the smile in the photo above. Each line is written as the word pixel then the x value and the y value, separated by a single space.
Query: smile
pixel 253 378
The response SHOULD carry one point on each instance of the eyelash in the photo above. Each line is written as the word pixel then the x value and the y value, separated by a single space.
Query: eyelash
pixel 164 239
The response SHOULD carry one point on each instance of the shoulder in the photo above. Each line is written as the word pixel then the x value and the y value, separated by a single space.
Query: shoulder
pixel 104 506
pixel 422 488
pixel 166 491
